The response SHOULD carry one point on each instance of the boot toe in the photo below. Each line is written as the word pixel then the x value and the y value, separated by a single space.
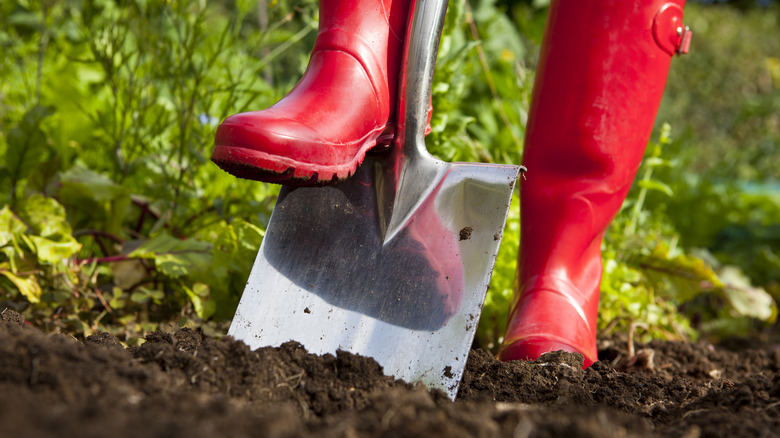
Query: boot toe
pixel 264 131
pixel 268 147
pixel 551 315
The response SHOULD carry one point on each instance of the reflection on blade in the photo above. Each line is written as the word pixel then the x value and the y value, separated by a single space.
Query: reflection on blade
pixel 325 277
pixel 329 241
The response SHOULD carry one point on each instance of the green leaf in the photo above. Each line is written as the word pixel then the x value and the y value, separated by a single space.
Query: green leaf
pixel 51 252
pixel 26 143
pixel 199 295
pixel 93 200
pixel 45 216
pixel 9 226
pixel 249 238
pixel 43 178
pixel 26 19
pixel 684 274
pixel 175 257
pixel 656 162
pixel 746 299
pixel 142 295
pixel 27 285
pixel 139 297
pixel 181 264
pixel 236 246
pixel 666 132
pixel 657 186
pixel 117 299
pixel 89 183
pixel 165 243
pixel 50 234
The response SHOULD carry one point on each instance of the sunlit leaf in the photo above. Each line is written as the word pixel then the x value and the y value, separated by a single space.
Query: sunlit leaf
pixel 45 216
pixel 142 295
pixel 657 186
pixel 181 264
pixel 199 295
pixel 175 257
pixel 117 299
pixel 746 299
pixel 88 182
pixel 9 226
pixel 50 251
pixel 249 237
pixel 27 285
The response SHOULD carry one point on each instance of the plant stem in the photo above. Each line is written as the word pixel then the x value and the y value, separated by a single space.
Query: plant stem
pixel 640 201
pixel 284 46
pixel 489 76
pixel 43 43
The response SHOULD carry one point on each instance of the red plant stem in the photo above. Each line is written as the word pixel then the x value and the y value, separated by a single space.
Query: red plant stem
pixel 145 209
pixel 141 218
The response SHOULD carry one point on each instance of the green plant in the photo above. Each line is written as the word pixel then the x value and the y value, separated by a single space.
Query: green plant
pixel 113 218
pixel 108 117
pixel 651 279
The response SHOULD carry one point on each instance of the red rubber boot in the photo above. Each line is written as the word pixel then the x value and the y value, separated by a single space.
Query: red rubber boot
pixel 343 105
pixel 602 71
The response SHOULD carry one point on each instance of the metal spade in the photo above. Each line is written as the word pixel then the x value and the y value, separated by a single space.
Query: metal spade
pixel 393 263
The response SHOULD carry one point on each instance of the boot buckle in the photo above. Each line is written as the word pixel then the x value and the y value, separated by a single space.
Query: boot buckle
pixel 685 40
pixel 671 35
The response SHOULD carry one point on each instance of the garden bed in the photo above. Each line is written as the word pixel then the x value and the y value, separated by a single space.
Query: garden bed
pixel 185 384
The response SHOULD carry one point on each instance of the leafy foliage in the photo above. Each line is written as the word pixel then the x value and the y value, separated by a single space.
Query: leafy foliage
pixel 649 277
pixel 114 219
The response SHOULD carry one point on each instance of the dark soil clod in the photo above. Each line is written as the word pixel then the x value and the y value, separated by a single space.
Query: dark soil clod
pixel 11 317
pixel 465 233
pixel 573 360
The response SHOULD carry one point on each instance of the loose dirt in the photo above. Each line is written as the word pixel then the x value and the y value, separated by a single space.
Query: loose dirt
pixel 182 384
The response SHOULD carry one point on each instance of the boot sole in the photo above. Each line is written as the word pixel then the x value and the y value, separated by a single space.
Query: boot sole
pixel 261 166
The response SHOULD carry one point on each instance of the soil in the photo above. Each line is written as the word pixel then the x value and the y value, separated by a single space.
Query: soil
pixel 183 384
